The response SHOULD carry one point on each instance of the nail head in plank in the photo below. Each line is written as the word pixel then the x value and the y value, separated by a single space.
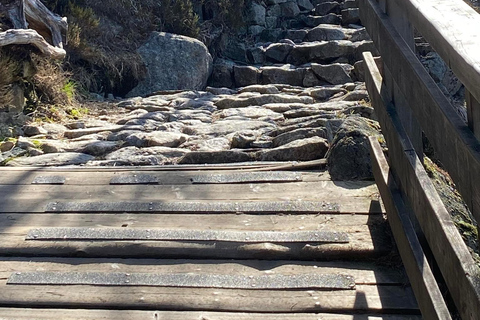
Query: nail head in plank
pixel 197 207
pixel 246 177
pixel 49 180
pixel 304 281
pixel 135 179
pixel 123 234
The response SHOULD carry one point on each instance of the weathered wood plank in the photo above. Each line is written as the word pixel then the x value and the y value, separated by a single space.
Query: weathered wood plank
pixel 84 314
pixel 189 221
pixel 451 27
pixel 453 141
pixel 364 273
pixel 249 166
pixel 364 298
pixel 365 242
pixel 455 262
pixel 323 190
pixel 423 282
pixel 473 113
pixel 352 205
pixel 87 177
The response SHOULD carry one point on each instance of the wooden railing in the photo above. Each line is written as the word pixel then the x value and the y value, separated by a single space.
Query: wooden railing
pixel 408 102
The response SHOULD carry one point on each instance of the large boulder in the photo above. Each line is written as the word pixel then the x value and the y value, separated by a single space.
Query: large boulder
pixel 173 62
pixel 349 154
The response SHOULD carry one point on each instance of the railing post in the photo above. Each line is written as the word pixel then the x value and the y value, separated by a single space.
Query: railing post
pixel 473 113
pixel 473 117
pixel 404 28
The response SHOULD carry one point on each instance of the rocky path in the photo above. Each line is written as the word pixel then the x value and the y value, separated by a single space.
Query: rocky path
pixel 298 98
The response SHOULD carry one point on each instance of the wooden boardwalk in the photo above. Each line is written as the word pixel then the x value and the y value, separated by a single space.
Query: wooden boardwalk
pixel 196 243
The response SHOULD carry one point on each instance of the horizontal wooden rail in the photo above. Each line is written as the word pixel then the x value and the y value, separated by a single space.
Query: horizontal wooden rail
pixel 452 29
pixel 458 268
pixel 424 285
pixel 454 143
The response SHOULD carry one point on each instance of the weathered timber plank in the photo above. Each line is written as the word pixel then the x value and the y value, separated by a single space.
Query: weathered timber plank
pixel 263 207
pixel 453 141
pixel 455 262
pixel 24 222
pixel 473 113
pixel 451 27
pixel 182 167
pixel 315 281
pixel 78 177
pixel 322 190
pixel 84 314
pixel 126 234
pixel 423 282
pixel 365 273
pixel 364 298
pixel 365 242
pixel 357 205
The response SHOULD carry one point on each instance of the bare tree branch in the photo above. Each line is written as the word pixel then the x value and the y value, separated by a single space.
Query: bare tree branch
pixel 30 36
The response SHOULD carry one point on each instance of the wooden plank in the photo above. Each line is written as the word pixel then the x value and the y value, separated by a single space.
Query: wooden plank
pixel 458 268
pixel 189 221
pixel 84 314
pixel 423 282
pixel 364 298
pixel 247 166
pixel 78 177
pixel 157 234
pixel 365 273
pixel 324 190
pixel 451 27
pixel 453 141
pixel 365 241
pixel 473 113
pixel 352 205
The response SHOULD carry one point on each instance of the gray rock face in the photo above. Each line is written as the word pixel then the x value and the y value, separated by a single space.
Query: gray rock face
pixel 336 73
pixel 278 52
pixel 305 5
pixel 325 32
pixel 216 157
pixel 327 7
pixel 255 14
pixel 320 52
pixel 349 155
pixel 173 62
pixel 298 150
pixel 350 16
pixel 52 159
pixel 298 134
pixel 290 9
pixel 222 74
pixel 245 75
pixel 156 138
pixel 283 75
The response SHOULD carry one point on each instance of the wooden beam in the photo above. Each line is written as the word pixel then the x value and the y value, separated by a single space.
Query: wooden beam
pixel 451 27
pixel 453 141
pixel 458 268
pixel 83 314
pixel 473 113
pixel 424 284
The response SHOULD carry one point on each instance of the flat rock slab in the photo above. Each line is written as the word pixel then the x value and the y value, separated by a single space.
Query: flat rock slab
pixel 304 281
pixel 52 159
pixel 124 234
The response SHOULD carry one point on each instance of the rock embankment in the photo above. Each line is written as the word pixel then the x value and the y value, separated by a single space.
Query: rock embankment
pixel 298 97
